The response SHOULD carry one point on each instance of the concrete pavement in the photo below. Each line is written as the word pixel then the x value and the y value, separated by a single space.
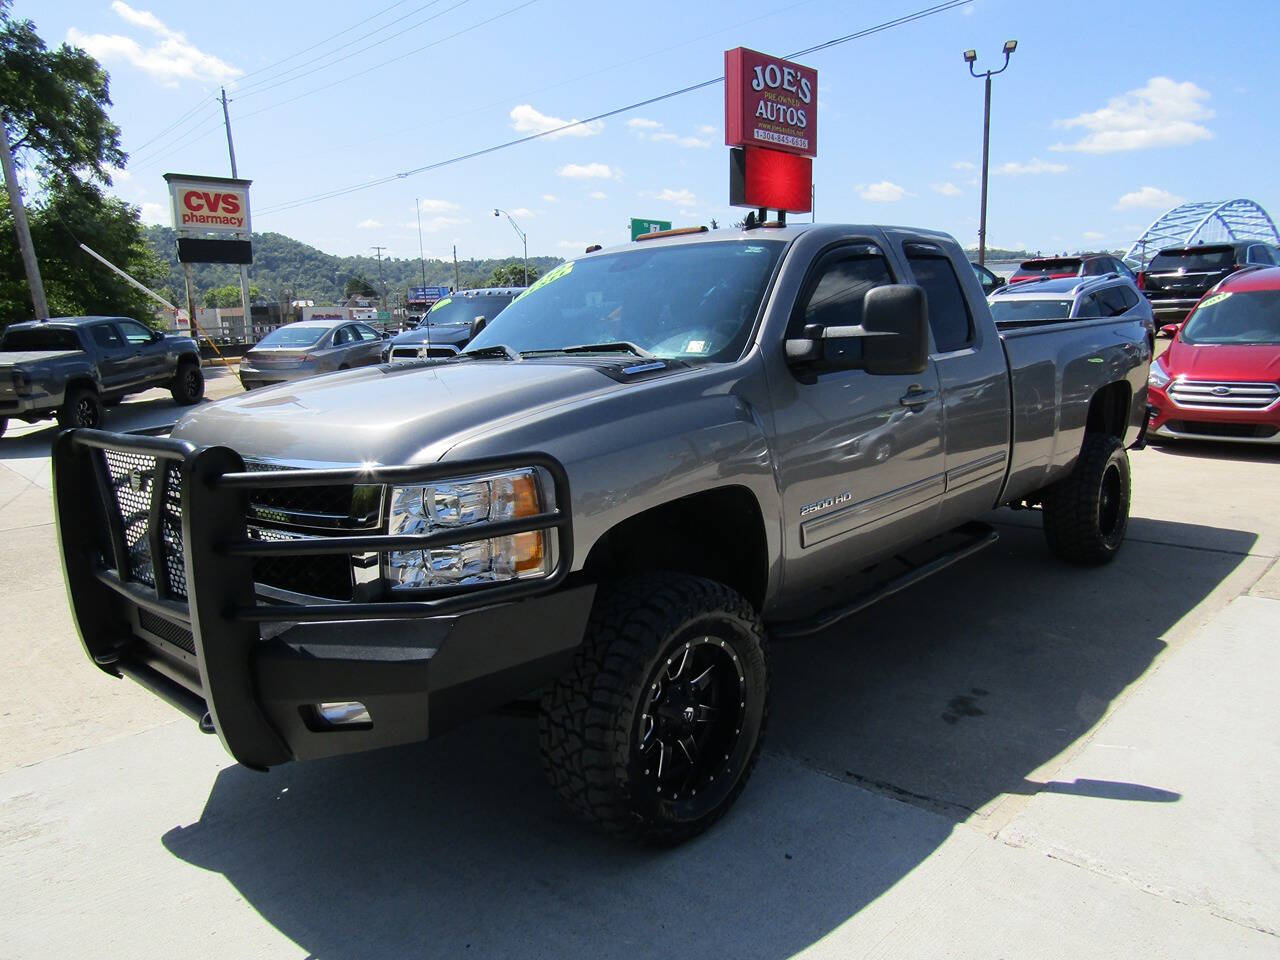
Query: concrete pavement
pixel 1013 759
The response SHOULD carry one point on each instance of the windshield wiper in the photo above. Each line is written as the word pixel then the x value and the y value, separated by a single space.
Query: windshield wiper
pixel 612 346
pixel 497 350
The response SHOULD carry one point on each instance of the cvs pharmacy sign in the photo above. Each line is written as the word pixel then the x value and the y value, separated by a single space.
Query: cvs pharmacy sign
pixel 203 205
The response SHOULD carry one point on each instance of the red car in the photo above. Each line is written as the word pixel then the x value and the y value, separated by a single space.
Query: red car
pixel 1220 377
pixel 1080 265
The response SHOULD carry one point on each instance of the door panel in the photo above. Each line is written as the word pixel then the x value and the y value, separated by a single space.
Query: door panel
pixel 115 357
pixel 859 457
pixel 147 357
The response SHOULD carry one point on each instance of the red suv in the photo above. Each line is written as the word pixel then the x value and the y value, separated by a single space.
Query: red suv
pixel 1220 377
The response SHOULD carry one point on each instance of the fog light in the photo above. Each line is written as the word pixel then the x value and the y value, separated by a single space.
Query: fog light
pixel 343 713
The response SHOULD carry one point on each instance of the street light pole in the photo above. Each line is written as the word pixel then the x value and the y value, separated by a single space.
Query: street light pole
pixel 970 56
pixel 524 239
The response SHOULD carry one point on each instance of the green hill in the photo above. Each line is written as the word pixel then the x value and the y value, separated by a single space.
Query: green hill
pixel 287 268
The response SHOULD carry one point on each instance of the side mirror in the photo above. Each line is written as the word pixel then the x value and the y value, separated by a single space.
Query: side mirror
pixel 893 337
pixel 1000 282
pixel 156 336
pixel 478 324
pixel 1170 329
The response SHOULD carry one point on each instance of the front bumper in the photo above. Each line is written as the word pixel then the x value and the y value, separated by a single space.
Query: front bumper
pixel 1172 309
pixel 1197 422
pixel 188 624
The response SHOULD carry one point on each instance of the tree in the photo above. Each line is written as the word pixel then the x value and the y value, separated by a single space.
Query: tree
pixel 358 286
pixel 53 104
pixel 512 275
pixel 228 295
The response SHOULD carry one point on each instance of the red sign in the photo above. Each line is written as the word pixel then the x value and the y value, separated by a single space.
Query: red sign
pixel 770 103
pixel 763 178
pixel 209 205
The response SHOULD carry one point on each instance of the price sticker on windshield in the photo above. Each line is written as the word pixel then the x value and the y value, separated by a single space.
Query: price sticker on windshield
pixel 1216 298
pixel 549 277
pixel 440 303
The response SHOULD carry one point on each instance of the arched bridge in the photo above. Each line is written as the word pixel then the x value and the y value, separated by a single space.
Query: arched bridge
pixel 1203 222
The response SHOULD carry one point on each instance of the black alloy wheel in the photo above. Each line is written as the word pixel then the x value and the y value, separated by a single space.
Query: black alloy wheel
pixel 1086 513
pixel 81 408
pixel 188 384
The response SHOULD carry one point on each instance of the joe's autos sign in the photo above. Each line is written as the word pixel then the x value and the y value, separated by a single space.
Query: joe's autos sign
pixel 770 103
pixel 203 205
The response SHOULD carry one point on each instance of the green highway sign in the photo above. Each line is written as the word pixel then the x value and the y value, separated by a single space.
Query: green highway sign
pixel 641 227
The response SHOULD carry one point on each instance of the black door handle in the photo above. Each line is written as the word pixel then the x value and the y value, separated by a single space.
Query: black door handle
pixel 915 397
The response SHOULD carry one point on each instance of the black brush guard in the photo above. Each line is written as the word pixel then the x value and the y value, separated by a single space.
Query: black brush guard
pixel 416 664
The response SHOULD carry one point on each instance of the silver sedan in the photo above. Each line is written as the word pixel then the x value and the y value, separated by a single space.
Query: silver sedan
pixel 300 350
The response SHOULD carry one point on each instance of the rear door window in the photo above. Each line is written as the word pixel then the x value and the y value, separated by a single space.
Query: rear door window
pixel 949 315
pixel 106 336
pixel 342 336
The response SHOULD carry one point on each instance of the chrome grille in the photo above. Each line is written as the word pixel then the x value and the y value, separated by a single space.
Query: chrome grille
pixel 1220 395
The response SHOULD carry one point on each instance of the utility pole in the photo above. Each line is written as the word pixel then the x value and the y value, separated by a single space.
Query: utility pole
pixel 970 56
pixel 381 285
pixel 457 283
pixel 20 225
pixel 244 268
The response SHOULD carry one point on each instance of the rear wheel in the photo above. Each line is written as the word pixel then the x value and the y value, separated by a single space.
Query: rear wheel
pixel 655 729
pixel 188 384
pixel 81 408
pixel 1086 513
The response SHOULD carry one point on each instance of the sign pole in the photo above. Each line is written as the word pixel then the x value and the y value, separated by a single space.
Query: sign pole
pixel 191 314
pixel 244 269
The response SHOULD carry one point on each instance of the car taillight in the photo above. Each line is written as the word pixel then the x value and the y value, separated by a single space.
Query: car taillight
pixel 1142 279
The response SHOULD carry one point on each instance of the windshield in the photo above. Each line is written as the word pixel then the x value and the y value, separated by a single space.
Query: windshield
pixel 295 335
pixel 1007 311
pixel 41 338
pixel 1194 260
pixel 1239 318
pixel 457 309
pixel 693 301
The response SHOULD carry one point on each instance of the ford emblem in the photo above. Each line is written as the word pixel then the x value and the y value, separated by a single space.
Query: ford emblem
pixel 1221 391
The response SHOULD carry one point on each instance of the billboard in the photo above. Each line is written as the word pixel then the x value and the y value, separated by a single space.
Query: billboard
pixel 769 102
pixel 426 295
pixel 209 205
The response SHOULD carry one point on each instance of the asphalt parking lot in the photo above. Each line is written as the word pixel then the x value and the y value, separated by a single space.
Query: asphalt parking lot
pixel 1013 759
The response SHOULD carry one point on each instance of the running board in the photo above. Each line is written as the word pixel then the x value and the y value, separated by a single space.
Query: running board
pixel 976 536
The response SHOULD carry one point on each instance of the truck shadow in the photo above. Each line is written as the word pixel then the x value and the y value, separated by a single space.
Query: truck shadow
pixel 1216 450
pixel 887 732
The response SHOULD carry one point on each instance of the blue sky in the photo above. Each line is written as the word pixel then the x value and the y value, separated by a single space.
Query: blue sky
pixel 1108 114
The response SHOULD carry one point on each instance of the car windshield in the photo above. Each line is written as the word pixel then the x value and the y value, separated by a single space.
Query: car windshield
pixel 693 301
pixel 1241 318
pixel 455 309
pixel 295 335
pixel 1009 311
pixel 1048 268
pixel 1193 260
pixel 41 338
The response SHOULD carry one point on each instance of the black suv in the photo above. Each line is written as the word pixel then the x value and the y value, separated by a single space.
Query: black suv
pixel 450 324
pixel 1177 277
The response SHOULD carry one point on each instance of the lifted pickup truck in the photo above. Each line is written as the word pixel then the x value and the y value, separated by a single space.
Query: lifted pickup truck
pixel 657 456
pixel 71 367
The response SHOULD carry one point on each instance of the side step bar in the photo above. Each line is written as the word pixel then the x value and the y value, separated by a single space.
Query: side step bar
pixel 976 536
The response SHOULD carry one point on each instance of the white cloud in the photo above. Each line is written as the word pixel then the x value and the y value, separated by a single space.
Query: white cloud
pixel 433 206
pixel 436 224
pixel 1015 169
pixel 882 192
pixel 589 171
pixel 640 123
pixel 947 189
pixel 522 212
pixel 119 174
pixel 598 195
pixel 1163 113
pixel 369 224
pixel 550 198
pixel 681 198
pixel 155 213
pixel 170 58
pixel 706 130
pixel 573 244
pixel 1148 197
pixel 525 119
pixel 1093 235
pixel 963 166
pixel 665 137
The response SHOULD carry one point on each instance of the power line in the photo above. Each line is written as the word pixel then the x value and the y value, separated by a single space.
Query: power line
pixel 175 140
pixel 385 63
pixel 269 83
pixel 857 35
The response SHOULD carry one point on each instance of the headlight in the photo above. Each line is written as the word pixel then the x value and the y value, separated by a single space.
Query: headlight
pixel 1157 377
pixel 457 504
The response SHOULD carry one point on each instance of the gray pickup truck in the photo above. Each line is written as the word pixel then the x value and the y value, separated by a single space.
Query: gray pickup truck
pixel 71 367
pixel 657 457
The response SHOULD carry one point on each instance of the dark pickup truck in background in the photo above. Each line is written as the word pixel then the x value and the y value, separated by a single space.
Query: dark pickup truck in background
pixel 73 367
pixel 657 457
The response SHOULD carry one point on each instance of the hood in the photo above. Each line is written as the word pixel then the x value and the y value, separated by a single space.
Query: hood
pixel 1222 361
pixel 401 413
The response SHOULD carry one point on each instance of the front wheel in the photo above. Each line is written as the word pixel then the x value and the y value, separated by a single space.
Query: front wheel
pixel 654 730
pixel 1086 513
pixel 188 384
